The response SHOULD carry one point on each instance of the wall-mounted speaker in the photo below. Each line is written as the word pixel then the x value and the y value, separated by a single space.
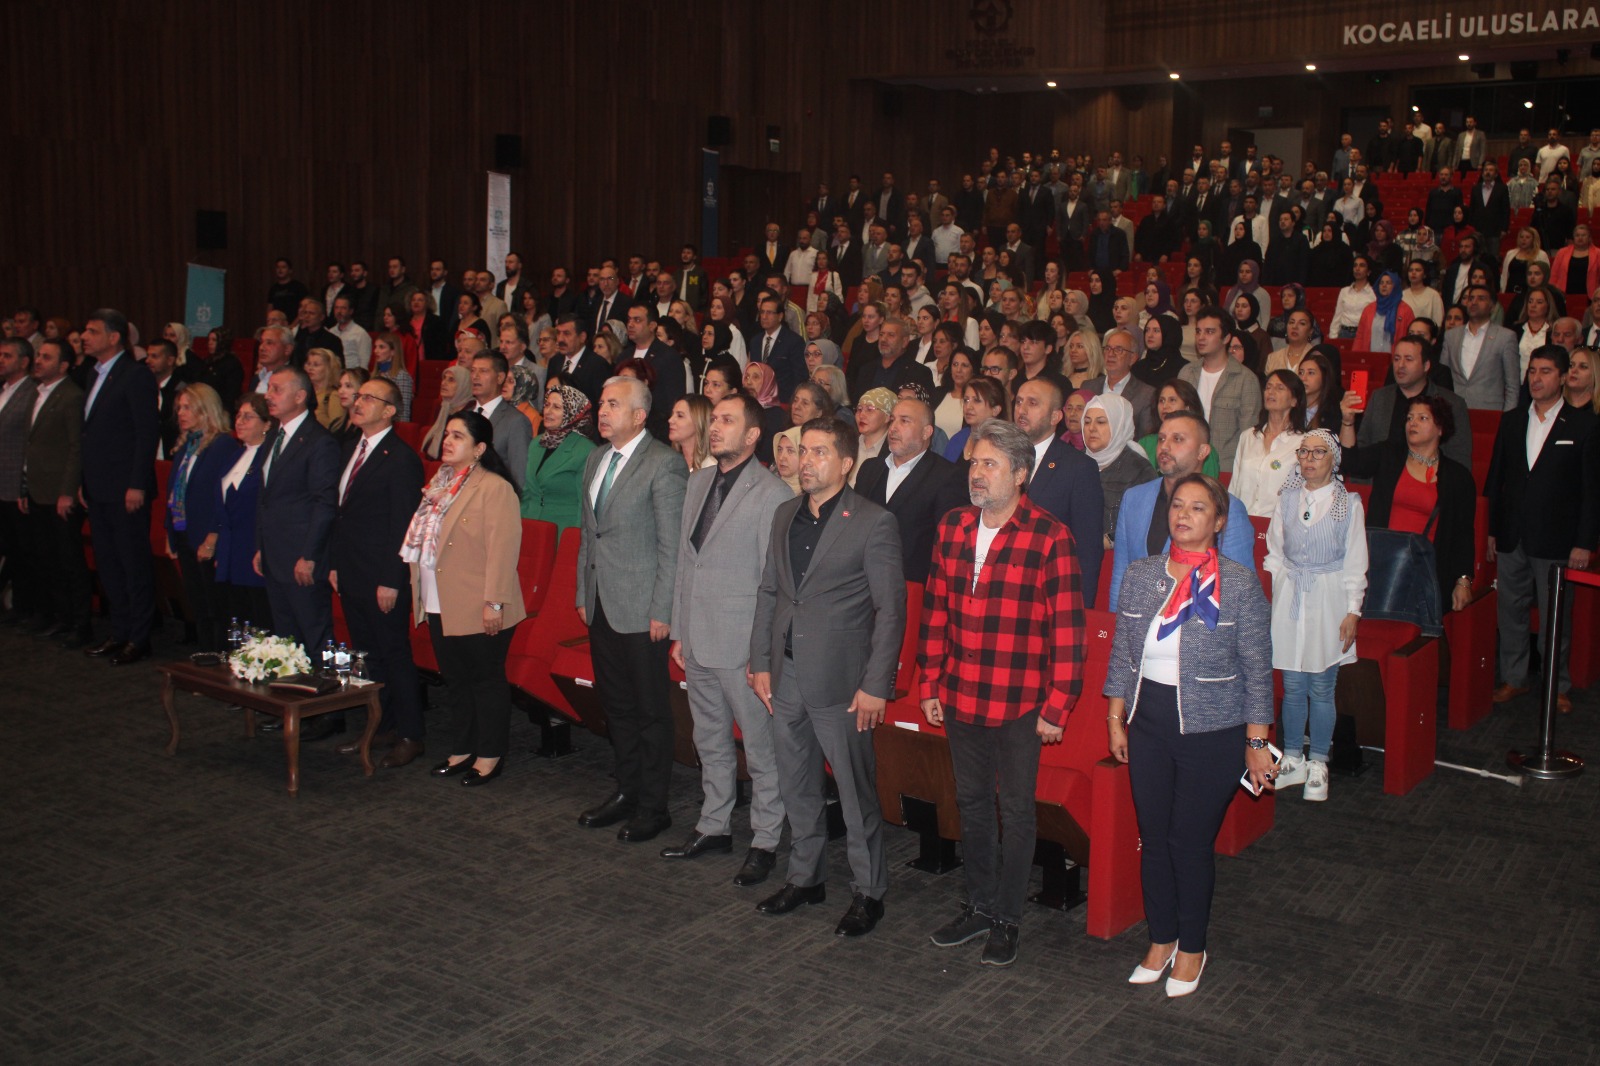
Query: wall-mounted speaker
pixel 211 231
pixel 719 131
pixel 507 151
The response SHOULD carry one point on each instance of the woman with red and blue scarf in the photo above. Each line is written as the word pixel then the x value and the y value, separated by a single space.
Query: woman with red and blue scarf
pixel 1190 705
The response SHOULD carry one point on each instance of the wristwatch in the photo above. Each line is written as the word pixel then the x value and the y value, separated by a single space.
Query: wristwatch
pixel 1255 743
pixel 494 606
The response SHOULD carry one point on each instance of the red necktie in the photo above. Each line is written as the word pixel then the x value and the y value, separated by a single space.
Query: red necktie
pixel 361 456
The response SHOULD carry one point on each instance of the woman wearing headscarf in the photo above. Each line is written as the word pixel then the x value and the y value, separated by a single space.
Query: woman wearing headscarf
pixel 1331 258
pixel 1386 318
pixel 1245 309
pixel 1249 284
pixel 550 484
pixel 1382 249
pixel 455 392
pixel 1291 297
pixel 1288 254
pixel 1231 260
pixel 786 457
pixel 761 381
pixel 1207 250
pixel 1157 303
pixel 1163 355
pixel 1317 556
pixel 1108 427
pixel 522 384
pixel 1102 295
pixel 1072 416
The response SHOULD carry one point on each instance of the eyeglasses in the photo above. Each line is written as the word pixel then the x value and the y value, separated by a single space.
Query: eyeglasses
pixel 373 396
pixel 1120 350
pixel 1318 454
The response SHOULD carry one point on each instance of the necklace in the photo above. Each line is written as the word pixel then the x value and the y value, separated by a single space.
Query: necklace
pixel 1428 463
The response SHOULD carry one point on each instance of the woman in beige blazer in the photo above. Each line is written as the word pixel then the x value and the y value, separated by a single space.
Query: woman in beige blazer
pixel 463 545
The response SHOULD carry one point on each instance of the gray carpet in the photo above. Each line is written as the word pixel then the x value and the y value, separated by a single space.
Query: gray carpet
pixel 186 910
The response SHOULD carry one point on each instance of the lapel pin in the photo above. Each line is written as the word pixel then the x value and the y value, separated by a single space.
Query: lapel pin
pixel 845 514
pixel 1050 466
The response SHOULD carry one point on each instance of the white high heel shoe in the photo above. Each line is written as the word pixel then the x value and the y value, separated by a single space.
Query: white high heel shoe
pixel 1143 975
pixel 1176 988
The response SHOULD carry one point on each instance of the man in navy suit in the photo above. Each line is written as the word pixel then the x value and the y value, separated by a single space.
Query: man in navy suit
pixel 120 430
pixel 378 492
pixel 666 364
pixel 777 345
pixel 294 516
pixel 1065 482
pixel 580 367
pixel 914 484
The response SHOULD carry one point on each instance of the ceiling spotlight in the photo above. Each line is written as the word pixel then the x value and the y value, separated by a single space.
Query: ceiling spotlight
pixel 1173 75
pixel 1463 57
pixel 1049 85
pixel 1528 104
pixel 1414 107
pixel 1311 66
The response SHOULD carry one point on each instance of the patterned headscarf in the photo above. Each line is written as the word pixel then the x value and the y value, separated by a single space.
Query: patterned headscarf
pixel 525 385
pixel 575 412
pixel 1297 480
pixel 880 398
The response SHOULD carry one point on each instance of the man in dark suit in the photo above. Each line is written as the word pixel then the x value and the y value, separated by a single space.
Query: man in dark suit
pixel 895 367
pixel 772 254
pixel 1108 247
pixel 444 293
pixel 1036 209
pixel 666 365
pixel 513 433
pixel 310 333
pixel 1489 206
pixel 161 357
pixel 1022 255
pixel 1442 201
pixel 510 290
pixel 1064 482
pixel 693 288
pixel 17 392
pixel 377 497
pixel 294 516
pixel 1544 510
pixel 847 256
pixel 1158 235
pixel 54 469
pixel 608 303
pixel 915 485
pixel 579 365
pixel 627 573
pixel 777 345
pixel 1073 215
pixel 119 451
pixel 891 206
pixel 823 204
pixel 830 617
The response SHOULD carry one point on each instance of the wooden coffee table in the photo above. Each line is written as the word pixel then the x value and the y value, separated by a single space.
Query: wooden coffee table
pixel 218 683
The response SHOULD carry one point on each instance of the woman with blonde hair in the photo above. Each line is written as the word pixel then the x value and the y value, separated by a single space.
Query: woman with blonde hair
pixel 323 367
pixel 350 382
pixel 455 392
pixel 689 431
pixel 1514 266
pixel 193 517
pixel 1085 360
pixel 388 360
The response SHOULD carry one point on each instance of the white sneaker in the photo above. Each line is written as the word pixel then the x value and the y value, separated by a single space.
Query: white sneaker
pixel 1316 782
pixel 1291 772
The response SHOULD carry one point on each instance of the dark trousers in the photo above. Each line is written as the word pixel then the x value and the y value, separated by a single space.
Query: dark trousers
pixel 630 677
pixel 248 603
pixel 302 612
pixel 56 548
pixel 386 638
pixel 200 587
pixel 474 669
pixel 18 567
pixel 997 855
pixel 122 559
pixel 1182 786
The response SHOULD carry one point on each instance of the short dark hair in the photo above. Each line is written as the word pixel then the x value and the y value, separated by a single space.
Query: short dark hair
pixel 1038 331
pixel 846 438
pixel 481 430
pixel 161 344
pixel 1213 487
pixel 754 414
pixel 494 357
pixel 1212 311
pixel 1194 416
pixel 1553 353
pixel 574 320
pixel 1013 361
pixel 113 320
pixel 1425 349
pixel 390 389
pixel 1439 407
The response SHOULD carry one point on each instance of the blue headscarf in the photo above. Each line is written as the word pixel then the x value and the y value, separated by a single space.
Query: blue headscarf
pixel 1388 307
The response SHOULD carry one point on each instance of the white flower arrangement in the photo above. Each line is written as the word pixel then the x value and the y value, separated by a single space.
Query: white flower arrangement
pixel 266 657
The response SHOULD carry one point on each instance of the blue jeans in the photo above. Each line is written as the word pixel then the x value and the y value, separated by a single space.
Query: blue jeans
pixel 1300 689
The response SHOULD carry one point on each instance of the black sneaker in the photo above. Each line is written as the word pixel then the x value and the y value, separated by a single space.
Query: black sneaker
pixel 970 924
pixel 1001 950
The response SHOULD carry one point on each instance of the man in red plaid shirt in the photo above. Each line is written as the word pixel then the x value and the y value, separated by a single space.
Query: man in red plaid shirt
pixel 1002 649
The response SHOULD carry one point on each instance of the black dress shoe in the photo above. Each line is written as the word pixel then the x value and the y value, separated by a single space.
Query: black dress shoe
pixel 105 647
pixel 449 769
pixel 638 830
pixel 790 897
pixel 698 844
pixel 402 754
pixel 617 808
pixel 319 729
pixel 758 864
pixel 268 723
pixel 472 778
pixel 129 654
pixel 859 920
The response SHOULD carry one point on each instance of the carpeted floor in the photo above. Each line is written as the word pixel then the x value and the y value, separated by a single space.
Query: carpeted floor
pixel 186 910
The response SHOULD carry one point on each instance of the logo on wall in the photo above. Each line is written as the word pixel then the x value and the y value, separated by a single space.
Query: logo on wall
pixel 990 17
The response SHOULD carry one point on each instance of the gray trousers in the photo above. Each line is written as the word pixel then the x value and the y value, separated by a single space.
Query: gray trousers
pixel 806 736
pixel 1523 581
pixel 718 699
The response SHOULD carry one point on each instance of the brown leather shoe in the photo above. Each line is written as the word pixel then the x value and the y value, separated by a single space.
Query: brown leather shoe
pixel 379 740
pixel 1564 704
pixel 403 752
pixel 1505 693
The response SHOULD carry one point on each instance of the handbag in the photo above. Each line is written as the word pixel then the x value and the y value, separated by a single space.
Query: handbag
pixel 1403 578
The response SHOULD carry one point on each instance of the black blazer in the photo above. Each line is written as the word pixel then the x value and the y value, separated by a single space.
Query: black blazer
pixel 1491 217
pixel 370 523
pixel 307 339
pixel 848 265
pixel 120 433
pixel 222 371
pixel 1555 507
pixel 590 377
pixel 294 511
pixel 167 397
pixel 436 340
pixel 669 386
pixel 770 264
pixel 1453 540
pixel 934 486
pixel 1067 484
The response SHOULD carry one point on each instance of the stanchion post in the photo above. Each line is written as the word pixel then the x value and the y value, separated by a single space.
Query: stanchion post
pixel 1546 763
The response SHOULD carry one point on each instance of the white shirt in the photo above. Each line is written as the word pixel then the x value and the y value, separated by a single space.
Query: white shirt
pixel 487 409
pixel 43 395
pixel 898 472
pixel 1160 656
pixel 1038 453
pixel 372 446
pixel 357 344
pixel 1424 304
pixel 946 239
pixel 626 451
pixel 263 376
pixel 1539 429
pixel 1548 158
pixel 1347 309
pixel 572 360
pixel 99 380
pixel 981 549
pixel 801 267
pixel 240 467
pixel 1466 141
pixel 1531 338
pixel 1259 472
pixel 1471 346
pixel 1208 387
pixel 288 431
pixel 768 339
pixel 1115 389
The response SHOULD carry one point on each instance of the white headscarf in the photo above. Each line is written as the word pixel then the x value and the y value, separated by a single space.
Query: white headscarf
pixel 1119 413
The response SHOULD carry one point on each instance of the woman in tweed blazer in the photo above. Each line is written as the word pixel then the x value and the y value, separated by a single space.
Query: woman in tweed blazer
pixel 1191 665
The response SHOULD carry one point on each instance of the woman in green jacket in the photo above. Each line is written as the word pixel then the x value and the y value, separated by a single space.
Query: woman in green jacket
pixel 551 484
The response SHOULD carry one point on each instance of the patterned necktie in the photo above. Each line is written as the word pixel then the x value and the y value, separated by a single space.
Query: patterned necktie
pixel 766 350
pixel 605 483
pixel 709 514
pixel 355 468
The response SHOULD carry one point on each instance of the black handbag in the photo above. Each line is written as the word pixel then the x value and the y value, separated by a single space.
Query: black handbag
pixel 1403 578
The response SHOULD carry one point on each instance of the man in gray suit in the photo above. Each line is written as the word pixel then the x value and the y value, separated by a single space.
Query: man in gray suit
pixel 1230 394
pixel 627 566
pixel 1120 355
pixel 829 619
pixel 722 549
pixel 1483 358
pixel 512 430
pixel 1385 416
